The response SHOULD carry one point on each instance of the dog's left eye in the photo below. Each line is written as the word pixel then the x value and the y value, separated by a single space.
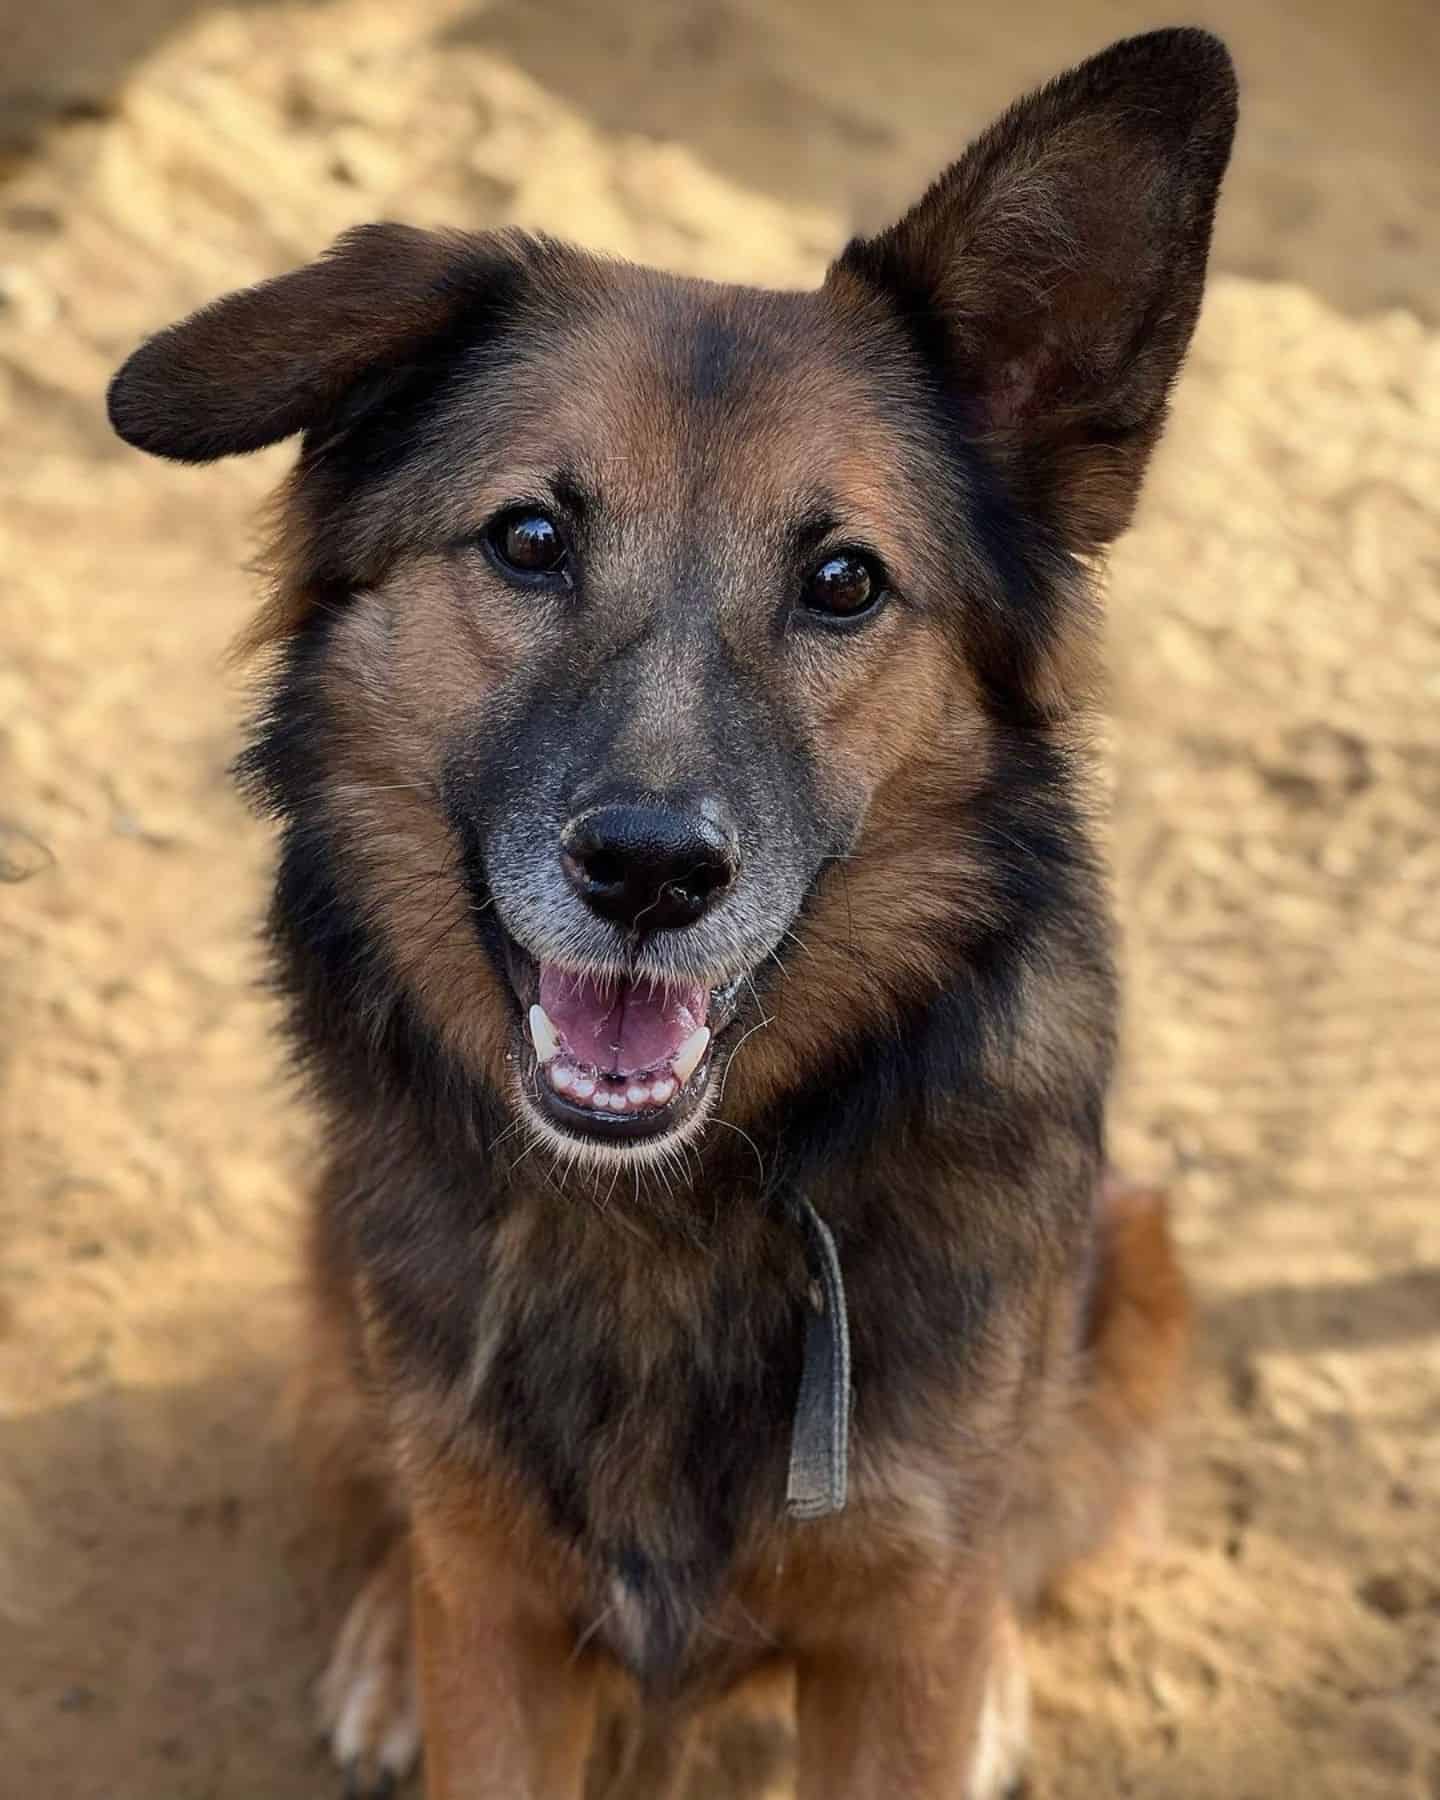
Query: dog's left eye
pixel 844 586
pixel 527 542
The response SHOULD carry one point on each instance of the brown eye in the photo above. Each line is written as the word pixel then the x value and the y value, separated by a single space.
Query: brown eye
pixel 844 586
pixel 529 543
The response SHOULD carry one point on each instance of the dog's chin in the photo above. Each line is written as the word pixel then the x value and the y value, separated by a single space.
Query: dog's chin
pixel 578 1137
pixel 589 1112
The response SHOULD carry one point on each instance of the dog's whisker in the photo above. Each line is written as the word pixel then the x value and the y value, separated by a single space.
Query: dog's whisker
pixel 518 1123
pixel 591 1631
pixel 725 1073
pixel 359 789
pixel 726 1125
pixel 536 1141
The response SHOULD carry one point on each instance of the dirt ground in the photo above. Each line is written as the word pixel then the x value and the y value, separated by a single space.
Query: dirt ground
pixel 1276 656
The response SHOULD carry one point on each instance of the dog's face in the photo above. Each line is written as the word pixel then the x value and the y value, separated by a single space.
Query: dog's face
pixel 685 607
pixel 649 639
pixel 680 592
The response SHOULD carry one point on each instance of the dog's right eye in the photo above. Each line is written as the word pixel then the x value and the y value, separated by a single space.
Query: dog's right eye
pixel 527 542
pixel 846 585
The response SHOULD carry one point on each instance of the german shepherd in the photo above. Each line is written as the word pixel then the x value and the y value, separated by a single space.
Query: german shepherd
pixel 677 725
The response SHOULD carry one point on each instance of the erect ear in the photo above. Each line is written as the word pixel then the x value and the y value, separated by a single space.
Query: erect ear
pixel 290 354
pixel 1053 275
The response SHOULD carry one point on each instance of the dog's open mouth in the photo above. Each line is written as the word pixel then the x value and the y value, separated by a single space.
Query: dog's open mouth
pixel 619 1057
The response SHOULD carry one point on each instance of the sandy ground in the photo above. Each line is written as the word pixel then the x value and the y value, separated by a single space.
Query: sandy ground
pixel 1276 655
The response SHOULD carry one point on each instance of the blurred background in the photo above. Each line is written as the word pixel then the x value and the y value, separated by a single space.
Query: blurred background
pixel 1276 688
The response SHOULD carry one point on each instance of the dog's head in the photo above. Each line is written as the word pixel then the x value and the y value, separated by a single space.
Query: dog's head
pixel 644 638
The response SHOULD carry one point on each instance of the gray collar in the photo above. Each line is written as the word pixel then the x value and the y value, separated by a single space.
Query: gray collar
pixel 820 1435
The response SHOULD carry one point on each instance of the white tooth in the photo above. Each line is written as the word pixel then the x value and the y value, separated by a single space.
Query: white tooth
pixel 688 1059
pixel 662 1091
pixel 561 1077
pixel 637 1095
pixel 543 1034
pixel 584 1087
pixel 617 1103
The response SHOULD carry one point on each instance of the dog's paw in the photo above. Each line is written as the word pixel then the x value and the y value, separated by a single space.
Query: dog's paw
pixel 367 1699
pixel 1002 1746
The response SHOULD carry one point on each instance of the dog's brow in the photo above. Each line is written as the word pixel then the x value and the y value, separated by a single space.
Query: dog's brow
pixel 811 528
pixel 577 500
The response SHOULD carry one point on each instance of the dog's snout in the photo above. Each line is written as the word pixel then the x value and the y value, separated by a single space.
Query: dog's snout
pixel 651 866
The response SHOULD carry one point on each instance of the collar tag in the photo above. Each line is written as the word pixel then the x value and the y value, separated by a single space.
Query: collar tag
pixel 820 1436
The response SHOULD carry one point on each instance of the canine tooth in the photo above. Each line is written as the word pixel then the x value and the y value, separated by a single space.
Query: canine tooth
pixel 562 1078
pixel 688 1059
pixel 661 1091
pixel 584 1087
pixel 637 1095
pixel 543 1034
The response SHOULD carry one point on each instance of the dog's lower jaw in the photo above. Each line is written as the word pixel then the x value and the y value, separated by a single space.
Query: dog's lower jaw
pixel 571 1151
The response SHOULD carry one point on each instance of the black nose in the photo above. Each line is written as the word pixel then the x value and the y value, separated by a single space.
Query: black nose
pixel 650 866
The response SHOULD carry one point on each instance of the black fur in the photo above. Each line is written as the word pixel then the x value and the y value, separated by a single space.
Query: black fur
pixel 957 1171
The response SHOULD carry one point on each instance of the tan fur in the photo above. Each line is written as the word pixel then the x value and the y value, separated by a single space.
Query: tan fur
pixel 926 1654
pixel 896 719
pixel 560 1426
pixel 893 1636
pixel 1103 1457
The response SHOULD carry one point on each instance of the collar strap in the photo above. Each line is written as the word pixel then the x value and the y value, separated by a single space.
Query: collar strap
pixel 820 1435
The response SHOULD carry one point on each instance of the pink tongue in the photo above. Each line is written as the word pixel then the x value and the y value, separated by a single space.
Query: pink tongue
pixel 620 1028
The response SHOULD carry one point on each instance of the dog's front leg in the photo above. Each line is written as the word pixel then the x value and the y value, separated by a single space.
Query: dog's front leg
pixel 508 1708
pixel 930 1703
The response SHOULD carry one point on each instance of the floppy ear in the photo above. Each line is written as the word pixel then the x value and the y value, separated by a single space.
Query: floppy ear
pixel 290 354
pixel 1053 275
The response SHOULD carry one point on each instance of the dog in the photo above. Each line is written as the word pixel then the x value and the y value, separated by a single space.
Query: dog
pixel 676 715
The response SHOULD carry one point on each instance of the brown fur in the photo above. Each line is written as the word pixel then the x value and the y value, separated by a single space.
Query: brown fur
pixel 550 1394
pixel 1094 1469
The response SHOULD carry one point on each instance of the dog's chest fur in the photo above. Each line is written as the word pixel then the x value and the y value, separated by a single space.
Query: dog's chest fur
pixel 643 1389
pixel 641 1383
